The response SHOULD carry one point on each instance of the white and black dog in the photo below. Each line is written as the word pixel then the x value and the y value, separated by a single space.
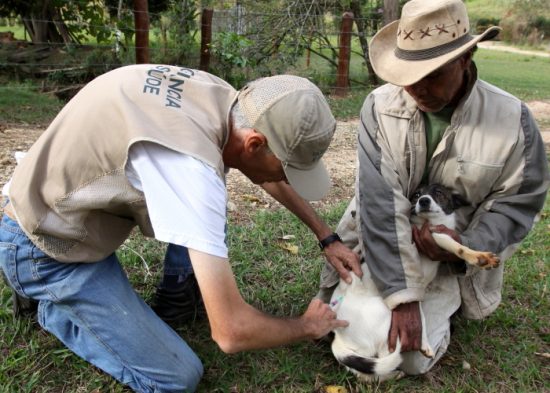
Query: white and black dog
pixel 363 346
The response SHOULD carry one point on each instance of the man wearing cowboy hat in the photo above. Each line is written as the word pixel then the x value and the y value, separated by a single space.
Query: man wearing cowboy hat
pixel 436 122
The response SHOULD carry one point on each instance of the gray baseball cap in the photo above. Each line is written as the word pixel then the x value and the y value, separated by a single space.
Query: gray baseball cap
pixel 295 118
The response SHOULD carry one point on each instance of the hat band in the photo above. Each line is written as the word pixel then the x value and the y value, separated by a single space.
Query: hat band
pixel 431 53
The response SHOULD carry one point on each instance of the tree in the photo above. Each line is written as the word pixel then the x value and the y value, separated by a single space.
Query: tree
pixel 391 11
pixel 362 33
pixel 59 21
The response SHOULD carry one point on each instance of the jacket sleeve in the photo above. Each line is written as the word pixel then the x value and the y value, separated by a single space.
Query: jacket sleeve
pixel 384 214
pixel 508 214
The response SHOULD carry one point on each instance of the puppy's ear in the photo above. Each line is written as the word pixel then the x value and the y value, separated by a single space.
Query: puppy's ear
pixel 458 200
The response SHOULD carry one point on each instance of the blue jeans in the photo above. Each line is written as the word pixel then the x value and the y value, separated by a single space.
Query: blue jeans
pixel 93 309
pixel 177 261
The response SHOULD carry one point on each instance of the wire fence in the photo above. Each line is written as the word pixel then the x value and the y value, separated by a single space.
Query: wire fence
pixel 245 43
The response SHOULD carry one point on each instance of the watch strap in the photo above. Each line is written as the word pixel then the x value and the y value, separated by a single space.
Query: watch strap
pixel 333 237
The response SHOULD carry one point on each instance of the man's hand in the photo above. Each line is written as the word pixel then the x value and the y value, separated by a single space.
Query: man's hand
pixel 427 246
pixel 319 319
pixel 407 325
pixel 343 260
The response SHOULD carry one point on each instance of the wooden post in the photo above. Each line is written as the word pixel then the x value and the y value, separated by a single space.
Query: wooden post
pixel 206 38
pixel 344 53
pixel 141 22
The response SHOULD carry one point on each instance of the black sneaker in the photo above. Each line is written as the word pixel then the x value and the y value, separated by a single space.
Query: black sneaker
pixel 180 306
pixel 22 307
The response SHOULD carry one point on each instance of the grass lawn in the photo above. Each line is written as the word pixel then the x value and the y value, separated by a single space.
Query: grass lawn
pixel 503 352
pixel 526 77
pixel 488 8
pixel 17 30
pixel 21 103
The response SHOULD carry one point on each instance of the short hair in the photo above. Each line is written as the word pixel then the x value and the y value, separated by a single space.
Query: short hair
pixel 240 121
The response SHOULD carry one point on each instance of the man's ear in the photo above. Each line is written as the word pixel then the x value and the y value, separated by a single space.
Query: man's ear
pixel 254 142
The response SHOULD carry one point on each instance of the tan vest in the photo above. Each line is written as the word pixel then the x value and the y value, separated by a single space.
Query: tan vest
pixel 70 193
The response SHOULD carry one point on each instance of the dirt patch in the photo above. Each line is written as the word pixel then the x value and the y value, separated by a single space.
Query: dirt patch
pixel 340 160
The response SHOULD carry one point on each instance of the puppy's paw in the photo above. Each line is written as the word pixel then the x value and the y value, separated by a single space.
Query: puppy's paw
pixel 487 260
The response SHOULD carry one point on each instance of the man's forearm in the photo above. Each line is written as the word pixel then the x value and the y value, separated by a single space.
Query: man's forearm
pixel 237 326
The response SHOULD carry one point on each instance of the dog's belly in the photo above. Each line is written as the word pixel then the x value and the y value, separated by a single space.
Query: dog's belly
pixel 369 322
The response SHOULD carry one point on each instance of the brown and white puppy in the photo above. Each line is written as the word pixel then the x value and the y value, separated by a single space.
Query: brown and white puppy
pixel 363 346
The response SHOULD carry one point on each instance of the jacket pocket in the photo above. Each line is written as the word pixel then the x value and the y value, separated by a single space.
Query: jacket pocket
pixel 476 179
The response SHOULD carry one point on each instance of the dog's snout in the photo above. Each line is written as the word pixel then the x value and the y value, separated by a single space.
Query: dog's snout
pixel 424 202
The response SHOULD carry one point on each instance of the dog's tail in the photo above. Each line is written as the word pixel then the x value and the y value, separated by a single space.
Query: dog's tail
pixel 373 366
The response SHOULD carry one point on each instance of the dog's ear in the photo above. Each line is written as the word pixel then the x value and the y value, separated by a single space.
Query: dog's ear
pixel 458 200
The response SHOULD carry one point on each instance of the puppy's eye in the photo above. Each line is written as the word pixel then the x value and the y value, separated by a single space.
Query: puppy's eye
pixel 416 195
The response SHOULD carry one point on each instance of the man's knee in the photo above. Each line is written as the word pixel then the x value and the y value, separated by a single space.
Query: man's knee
pixel 193 375
pixel 183 377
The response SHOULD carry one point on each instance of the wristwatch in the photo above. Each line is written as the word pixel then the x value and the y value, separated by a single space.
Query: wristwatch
pixel 333 237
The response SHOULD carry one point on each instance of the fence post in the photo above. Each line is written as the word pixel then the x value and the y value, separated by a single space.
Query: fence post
pixel 206 38
pixel 344 53
pixel 141 21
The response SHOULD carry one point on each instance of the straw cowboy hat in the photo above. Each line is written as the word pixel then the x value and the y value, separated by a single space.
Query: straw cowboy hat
pixel 430 34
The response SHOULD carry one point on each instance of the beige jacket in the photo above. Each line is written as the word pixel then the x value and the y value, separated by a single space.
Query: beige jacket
pixel 70 193
pixel 492 154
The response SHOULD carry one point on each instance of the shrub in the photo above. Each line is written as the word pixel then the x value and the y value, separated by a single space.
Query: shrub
pixel 483 23
pixel 521 31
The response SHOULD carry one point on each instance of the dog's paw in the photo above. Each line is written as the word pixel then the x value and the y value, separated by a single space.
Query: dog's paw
pixel 487 260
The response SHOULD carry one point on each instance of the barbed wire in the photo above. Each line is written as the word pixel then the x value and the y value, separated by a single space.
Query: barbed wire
pixel 121 49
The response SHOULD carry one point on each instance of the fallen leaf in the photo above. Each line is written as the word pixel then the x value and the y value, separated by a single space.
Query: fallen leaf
pixel 291 248
pixel 287 237
pixel 250 198
pixel 335 389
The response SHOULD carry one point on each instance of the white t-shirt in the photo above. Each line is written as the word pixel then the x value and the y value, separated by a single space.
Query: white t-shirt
pixel 186 199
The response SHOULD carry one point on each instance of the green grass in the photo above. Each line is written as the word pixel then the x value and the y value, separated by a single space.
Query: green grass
pixel 526 77
pixel 498 8
pixel 21 103
pixel 17 30
pixel 478 9
pixel 501 350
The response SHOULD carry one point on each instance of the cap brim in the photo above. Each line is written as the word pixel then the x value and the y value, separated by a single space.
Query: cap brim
pixel 401 72
pixel 312 184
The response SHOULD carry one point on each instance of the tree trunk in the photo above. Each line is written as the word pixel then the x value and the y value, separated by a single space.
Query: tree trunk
pixel 361 31
pixel 44 25
pixel 391 11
